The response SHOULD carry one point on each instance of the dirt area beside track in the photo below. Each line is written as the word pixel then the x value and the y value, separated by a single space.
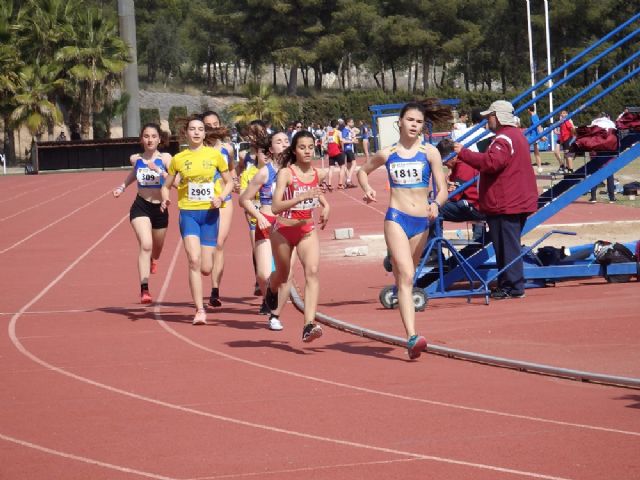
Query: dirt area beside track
pixel 620 231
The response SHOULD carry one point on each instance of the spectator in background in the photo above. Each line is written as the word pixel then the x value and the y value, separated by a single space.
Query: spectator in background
pixel 62 137
pixel 626 110
pixel 603 121
pixel 349 148
pixel 461 124
pixel 336 156
pixel 290 131
pixel 536 150
pixel 464 207
pixel 507 193
pixel 566 137
pixel 75 134
pixel 365 134
pixel 319 134
pixel 475 141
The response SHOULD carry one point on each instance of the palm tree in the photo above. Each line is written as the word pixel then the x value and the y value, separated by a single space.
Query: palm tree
pixel 111 108
pixel 261 104
pixel 94 56
pixel 42 27
pixel 33 107
pixel 10 80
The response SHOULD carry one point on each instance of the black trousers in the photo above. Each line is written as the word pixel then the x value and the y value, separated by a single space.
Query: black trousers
pixel 505 231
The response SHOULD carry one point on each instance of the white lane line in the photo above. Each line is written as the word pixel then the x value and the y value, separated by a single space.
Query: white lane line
pixel 185 339
pixel 22 349
pixel 91 461
pixel 49 200
pixel 53 223
pixel 32 191
pixel 49 312
pixel 307 469
pixel 360 201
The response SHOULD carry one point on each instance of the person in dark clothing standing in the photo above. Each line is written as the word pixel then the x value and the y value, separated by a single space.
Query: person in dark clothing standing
pixel 507 194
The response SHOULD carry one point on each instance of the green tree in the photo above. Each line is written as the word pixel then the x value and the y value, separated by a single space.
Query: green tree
pixel 94 57
pixel 10 80
pixel 111 108
pixel 33 107
pixel 261 104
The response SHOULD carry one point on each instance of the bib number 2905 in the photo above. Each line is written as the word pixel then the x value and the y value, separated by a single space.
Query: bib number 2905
pixel 201 192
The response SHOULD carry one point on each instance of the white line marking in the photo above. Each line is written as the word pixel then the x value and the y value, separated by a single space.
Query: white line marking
pixel 22 349
pixel 307 469
pixel 31 191
pixel 363 389
pixel 49 312
pixel 90 461
pixel 586 224
pixel 49 200
pixel 53 223
pixel 362 202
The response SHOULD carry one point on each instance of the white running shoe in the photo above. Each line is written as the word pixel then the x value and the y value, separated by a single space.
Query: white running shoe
pixel 200 318
pixel 275 324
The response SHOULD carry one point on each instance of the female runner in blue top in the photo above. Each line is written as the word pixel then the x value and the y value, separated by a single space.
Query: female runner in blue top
pixel 409 165
pixel 148 222
pixel 268 151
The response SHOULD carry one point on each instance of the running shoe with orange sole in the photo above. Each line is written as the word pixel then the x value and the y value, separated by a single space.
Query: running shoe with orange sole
pixel 415 346
pixel 145 297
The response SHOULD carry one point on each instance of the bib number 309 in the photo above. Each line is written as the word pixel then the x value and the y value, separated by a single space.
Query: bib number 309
pixel 147 177
pixel 201 192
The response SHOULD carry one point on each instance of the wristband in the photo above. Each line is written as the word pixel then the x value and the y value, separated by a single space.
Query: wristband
pixel 122 187
pixel 437 203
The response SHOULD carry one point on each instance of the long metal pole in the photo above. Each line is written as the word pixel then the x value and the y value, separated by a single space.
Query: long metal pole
pixel 550 83
pixel 532 69
pixel 127 20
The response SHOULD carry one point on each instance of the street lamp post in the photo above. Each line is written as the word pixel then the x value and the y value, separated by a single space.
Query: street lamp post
pixel 550 83
pixel 532 69
pixel 127 21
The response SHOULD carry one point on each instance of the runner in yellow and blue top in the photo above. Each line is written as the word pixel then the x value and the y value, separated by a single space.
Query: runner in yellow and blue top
pixel 245 177
pixel 198 204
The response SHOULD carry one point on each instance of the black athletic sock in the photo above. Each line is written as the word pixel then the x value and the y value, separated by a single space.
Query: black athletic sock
pixel 144 287
pixel 215 293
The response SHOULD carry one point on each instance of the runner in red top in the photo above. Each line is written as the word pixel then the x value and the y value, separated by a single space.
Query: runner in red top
pixel 297 194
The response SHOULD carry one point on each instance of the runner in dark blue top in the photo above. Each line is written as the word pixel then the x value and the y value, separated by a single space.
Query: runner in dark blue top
pixel 148 221
pixel 409 164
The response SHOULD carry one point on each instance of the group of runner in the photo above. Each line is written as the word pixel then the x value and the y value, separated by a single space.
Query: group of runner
pixel 279 190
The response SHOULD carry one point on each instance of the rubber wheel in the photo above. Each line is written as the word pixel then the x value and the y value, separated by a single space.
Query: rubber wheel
pixel 419 299
pixel 386 263
pixel 388 298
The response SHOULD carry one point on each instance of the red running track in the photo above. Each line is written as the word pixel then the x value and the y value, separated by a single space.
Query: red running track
pixel 96 386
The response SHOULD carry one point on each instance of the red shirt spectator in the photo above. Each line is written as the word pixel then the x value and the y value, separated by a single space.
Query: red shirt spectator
pixel 507 182
pixel 461 173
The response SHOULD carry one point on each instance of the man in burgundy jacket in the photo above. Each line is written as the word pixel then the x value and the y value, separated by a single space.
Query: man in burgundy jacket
pixel 507 193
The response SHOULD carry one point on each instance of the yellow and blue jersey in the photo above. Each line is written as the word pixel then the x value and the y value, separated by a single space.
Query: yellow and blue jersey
pixel 197 169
